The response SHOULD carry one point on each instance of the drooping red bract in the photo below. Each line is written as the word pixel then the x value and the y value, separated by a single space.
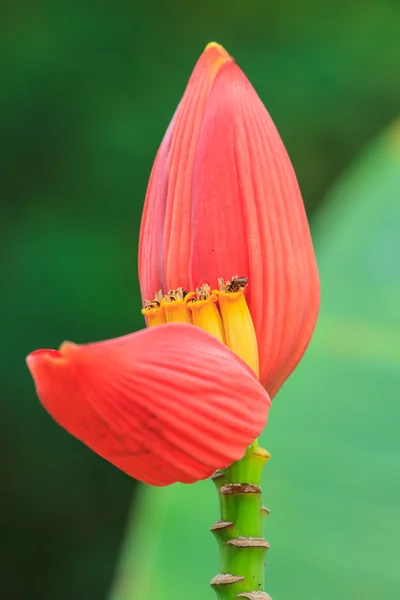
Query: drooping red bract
pixel 164 405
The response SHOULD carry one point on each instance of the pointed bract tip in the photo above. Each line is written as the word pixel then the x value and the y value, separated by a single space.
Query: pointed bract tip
pixel 38 356
pixel 220 49
pixel 48 354
pixel 44 352
pixel 216 56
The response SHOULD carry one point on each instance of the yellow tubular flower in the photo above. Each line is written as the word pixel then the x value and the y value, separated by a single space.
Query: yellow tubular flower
pixel 154 312
pixel 205 313
pixel 238 325
pixel 175 306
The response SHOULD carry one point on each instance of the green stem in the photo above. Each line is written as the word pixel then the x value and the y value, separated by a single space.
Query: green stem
pixel 239 532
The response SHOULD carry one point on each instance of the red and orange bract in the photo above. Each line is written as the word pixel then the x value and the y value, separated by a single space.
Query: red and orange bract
pixel 223 199
pixel 164 405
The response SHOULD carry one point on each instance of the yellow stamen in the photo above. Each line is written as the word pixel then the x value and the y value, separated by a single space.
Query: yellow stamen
pixel 175 305
pixel 153 311
pixel 238 324
pixel 205 313
pixel 223 313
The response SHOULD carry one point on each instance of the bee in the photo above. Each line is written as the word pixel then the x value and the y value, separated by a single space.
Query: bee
pixel 236 284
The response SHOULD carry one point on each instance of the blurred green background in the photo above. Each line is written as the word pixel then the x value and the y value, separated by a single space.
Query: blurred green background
pixel 86 92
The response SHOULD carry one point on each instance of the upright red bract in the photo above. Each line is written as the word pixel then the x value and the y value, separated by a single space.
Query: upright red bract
pixel 223 199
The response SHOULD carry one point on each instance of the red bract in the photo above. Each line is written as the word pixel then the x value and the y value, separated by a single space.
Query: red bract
pixel 164 405
pixel 223 199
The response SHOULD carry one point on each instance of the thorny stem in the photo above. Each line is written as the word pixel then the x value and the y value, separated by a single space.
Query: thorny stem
pixel 239 532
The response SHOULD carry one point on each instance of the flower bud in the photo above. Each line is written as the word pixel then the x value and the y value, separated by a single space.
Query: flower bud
pixel 223 198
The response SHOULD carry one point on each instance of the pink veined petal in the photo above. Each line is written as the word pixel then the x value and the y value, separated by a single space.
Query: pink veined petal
pixel 183 146
pixel 151 242
pixel 164 246
pixel 166 404
pixel 248 219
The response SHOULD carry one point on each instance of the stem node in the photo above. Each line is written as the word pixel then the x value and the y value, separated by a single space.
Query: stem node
pixel 241 545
